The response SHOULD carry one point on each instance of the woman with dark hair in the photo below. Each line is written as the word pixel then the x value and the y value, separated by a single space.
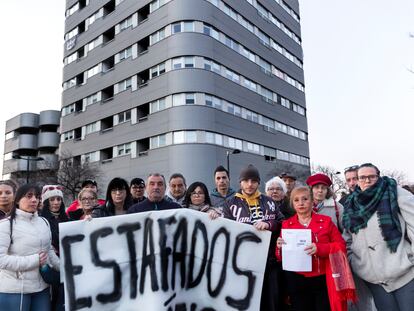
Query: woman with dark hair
pixel 25 246
pixel 197 198
pixel 7 192
pixel 54 212
pixel 323 199
pixel 118 199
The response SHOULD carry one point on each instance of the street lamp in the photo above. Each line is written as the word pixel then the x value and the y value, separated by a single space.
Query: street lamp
pixel 228 153
pixel 28 159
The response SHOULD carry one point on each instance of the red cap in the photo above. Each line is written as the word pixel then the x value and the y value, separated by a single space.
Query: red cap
pixel 318 179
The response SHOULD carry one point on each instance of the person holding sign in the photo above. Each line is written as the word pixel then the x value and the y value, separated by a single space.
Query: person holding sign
pixel 315 290
pixel 251 207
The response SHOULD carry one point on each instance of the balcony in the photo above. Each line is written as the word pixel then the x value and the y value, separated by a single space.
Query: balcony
pixel 48 140
pixel 21 142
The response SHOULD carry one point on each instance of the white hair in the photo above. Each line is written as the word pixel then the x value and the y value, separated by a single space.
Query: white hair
pixel 278 181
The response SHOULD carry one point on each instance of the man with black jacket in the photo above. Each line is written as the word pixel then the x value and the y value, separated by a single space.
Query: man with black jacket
pixel 251 207
pixel 155 201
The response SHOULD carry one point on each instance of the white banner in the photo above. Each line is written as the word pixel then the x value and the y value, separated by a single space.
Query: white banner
pixel 176 260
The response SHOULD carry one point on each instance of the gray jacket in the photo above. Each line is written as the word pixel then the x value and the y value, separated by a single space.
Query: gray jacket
pixel 328 209
pixel 370 257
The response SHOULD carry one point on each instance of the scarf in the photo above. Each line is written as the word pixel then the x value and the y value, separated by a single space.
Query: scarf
pixel 381 198
pixel 339 280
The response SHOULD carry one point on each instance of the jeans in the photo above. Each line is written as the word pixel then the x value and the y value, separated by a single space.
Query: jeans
pixel 401 299
pixel 39 301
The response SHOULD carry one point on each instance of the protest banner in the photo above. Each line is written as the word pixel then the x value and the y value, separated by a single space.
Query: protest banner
pixel 176 260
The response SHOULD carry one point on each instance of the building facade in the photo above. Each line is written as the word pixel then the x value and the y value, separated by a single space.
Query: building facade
pixel 177 85
pixel 31 146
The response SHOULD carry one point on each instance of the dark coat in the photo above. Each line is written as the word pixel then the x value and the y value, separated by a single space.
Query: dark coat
pixel 147 206
pixel 54 224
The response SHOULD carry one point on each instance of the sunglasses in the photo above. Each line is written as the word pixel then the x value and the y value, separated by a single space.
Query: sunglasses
pixel 351 168
pixel 52 188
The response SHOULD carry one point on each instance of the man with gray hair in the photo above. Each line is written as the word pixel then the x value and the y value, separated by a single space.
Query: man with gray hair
pixel 156 196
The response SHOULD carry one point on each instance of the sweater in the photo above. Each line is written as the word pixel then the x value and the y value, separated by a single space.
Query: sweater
pixel 217 200
pixel 19 261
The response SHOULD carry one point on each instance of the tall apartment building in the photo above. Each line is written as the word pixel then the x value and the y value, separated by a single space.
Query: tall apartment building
pixel 177 85
pixel 31 146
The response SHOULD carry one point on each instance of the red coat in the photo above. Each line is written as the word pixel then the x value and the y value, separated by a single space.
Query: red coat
pixel 324 233
pixel 75 205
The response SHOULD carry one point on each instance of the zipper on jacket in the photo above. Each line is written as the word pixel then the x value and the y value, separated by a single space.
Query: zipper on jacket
pixel 317 258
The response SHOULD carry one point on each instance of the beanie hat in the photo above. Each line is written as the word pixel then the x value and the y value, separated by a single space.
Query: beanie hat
pixel 318 179
pixel 249 172
pixel 138 182
pixel 49 191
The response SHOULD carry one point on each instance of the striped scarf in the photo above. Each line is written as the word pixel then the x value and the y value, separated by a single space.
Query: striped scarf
pixel 380 198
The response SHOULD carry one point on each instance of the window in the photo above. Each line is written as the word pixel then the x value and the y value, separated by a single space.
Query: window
pixel 124 116
pixel 67 110
pixel 125 53
pixel 209 100
pixel 177 63
pixel 90 128
pixel 189 26
pixel 189 99
pixel 91 156
pixel 158 141
pixel 189 61
pixel 124 85
pixel 157 70
pixel 68 135
pixel 178 99
pixel 8 156
pixel 92 99
pixel 124 149
pixel 125 23
pixel 179 137
pixel 190 136
pixel 93 71
pixel 9 135
pixel 176 28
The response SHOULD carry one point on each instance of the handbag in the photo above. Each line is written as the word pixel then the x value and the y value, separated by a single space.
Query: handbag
pixel 49 275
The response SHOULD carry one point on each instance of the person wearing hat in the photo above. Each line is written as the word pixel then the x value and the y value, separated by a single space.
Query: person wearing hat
pixel 86 184
pixel 137 187
pixel 323 198
pixel 54 212
pixel 252 207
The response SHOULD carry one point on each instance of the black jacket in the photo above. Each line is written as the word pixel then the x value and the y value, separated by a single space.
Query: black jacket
pixel 147 206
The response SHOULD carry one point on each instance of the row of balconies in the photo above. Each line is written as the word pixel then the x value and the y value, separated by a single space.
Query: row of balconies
pixel 45 119
pixel 44 162
pixel 32 141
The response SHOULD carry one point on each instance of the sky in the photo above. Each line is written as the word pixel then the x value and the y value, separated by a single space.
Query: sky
pixel 357 60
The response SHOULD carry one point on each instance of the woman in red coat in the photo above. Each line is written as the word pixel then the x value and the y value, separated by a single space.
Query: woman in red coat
pixel 308 291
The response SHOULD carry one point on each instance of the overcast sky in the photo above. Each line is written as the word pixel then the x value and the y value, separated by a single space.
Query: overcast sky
pixel 360 93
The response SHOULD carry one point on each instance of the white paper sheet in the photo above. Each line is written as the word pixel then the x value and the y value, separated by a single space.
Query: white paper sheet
pixel 294 258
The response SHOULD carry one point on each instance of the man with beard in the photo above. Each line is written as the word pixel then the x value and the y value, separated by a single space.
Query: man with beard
pixel 155 201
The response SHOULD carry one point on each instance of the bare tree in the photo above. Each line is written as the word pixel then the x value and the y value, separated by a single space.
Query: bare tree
pixel 399 176
pixel 72 173
pixel 338 183
pixel 297 171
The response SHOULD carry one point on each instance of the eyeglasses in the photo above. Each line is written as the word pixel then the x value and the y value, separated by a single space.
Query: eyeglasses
pixel 52 188
pixel 117 190
pixel 369 177
pixel 275 189
pixel 137 187
pixel 351 168
pixel 88 199
pixel 199 194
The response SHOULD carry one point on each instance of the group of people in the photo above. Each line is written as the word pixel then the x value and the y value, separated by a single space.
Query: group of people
pixel 364 239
